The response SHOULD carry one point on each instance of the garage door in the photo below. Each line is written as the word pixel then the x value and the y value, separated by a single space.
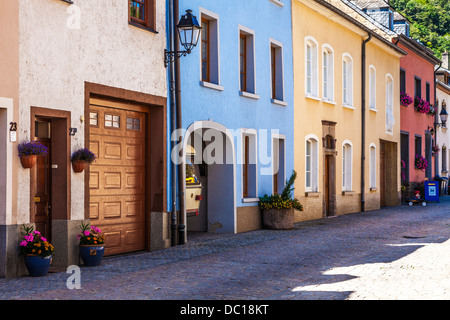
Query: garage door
pixel 117 180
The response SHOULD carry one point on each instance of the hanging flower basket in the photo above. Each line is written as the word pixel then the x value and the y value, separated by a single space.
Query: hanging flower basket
pixel 28 151
pixel 81 159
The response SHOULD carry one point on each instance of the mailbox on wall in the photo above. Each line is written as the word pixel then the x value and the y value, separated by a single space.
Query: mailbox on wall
pixel 432 191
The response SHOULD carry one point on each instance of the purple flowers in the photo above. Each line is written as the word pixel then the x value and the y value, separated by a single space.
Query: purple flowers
pixel 424 106
pixel 421 163
pixel 90 235
pixel 405 99
pixel 28 148
pixel 33 243
pixel 83 155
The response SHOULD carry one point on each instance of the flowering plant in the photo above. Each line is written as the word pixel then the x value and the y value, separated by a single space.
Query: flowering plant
pixel 90 235
pixel 421 163
pixel 436 149
pixel 405 99
pixel 432 109
pixel 34 243
pixel 83 155
pixel 283 200
pixel 28 148
pixel 421 106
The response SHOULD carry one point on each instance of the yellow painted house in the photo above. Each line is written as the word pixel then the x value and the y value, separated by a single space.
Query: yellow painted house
pixel 343 143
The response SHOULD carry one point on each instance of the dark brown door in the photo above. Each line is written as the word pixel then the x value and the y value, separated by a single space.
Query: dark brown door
pixel 327 185
pixel 41 198
pixel 382 174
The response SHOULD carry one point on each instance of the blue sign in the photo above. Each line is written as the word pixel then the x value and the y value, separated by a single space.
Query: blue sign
pixel 432 191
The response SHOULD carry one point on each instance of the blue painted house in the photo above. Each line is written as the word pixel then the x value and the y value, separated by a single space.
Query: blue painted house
pixel 236 107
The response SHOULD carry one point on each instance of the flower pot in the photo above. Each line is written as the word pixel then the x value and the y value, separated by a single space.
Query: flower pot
pixel 37 266
pixel 28 161
pixel 278 219
pixel 78 165
pixel 92 255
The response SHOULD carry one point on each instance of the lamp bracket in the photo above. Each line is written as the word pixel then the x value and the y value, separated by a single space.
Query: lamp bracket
pixel 171 56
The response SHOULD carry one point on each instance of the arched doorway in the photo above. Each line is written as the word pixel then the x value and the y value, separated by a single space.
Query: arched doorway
pixel 209 162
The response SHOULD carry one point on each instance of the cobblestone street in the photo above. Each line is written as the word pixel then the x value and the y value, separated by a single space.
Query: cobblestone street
pixel 394 253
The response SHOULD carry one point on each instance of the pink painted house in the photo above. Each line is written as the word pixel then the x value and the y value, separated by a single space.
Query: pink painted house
pixel 417 79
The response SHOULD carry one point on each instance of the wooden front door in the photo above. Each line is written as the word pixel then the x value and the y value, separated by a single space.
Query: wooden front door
pixel 42 181
pixel 117 179
pixel 382 174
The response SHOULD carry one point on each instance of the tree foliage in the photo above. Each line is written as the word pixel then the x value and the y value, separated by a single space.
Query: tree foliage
pixel 430 22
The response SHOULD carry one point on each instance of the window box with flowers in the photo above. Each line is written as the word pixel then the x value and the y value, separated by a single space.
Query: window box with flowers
pixel 405 99
pixel 421 163
pixel 37 252
pixel 92 245
pixel 421 105
pixel 81 158
pixel 278 209
pixel 28 151
pixel 436 149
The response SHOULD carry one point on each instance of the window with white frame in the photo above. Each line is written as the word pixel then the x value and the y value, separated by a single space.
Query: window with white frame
pixel 373 166
pixel 249 164
pixel 347 163
pixel 209 47
pixel 276 70
pixel 311 163
pixel 278 164
pixel 246 60
pixel 347 80
pixel 328 73
pixel 372 88
pixel 390 120
pixel 311 67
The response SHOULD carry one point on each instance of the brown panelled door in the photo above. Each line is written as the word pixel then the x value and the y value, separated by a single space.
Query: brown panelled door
pixel 117 179
pixel 42 181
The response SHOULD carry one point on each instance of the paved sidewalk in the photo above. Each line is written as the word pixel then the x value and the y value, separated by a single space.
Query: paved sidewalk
pixel 392 253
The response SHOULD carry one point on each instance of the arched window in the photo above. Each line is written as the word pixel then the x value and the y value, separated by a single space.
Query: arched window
pixel 373 166
pixel 372 88
pixel 347 163
pixel 311 67
pixel 311 163
pixel 328 73
pixel 347 80
pixel 390 120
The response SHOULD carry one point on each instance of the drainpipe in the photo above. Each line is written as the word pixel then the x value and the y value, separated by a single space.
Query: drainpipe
pixel 436 121
pixel 363 119
pixel 174 219
pixel 181 178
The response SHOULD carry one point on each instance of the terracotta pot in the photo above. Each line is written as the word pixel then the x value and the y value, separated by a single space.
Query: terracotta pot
pixel 79 166
pixel 279 219
pixel 28 161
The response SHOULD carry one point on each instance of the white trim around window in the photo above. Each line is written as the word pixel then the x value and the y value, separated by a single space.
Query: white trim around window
pixel 390 119
pixel 327 73
pixel 311 163
pixel 372 88
pixel 311 68
pixel 347 80
pixel 373 166
pixel 250 84
pixel 347 165
pixel 214 49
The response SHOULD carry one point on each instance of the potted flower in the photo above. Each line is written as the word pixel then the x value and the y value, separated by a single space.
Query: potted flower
pixel 28 151
pixel 92 245
pixel 405 99
pixel 37 252
pixel 278 209
pixel 81 158
pixel 421 163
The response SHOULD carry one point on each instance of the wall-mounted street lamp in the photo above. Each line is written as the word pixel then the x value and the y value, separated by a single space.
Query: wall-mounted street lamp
pixel 188 32
pixel 443 115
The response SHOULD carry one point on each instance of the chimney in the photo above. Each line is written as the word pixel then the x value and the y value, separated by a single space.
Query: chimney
pixel 445 62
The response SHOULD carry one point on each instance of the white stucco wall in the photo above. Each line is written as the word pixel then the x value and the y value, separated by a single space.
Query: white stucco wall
pixel 61 47
pixel 443 134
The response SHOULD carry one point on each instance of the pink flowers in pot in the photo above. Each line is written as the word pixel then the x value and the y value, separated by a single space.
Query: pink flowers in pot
pixel 405 99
